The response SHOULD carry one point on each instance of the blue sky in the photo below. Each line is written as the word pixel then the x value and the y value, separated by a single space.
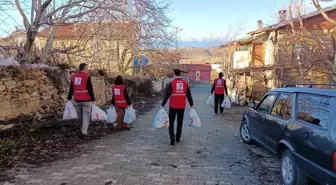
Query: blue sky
pixel 200 19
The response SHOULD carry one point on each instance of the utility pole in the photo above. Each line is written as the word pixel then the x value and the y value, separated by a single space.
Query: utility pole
pixel 177 31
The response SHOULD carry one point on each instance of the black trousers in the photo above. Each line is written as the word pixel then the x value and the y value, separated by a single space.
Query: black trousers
pixel 219 98
pixel 172 116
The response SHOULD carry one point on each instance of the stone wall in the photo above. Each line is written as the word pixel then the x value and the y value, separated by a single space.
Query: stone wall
pixel 28 91
pixel 25 91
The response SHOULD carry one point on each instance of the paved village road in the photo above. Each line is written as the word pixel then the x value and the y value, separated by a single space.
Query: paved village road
pixel 213 154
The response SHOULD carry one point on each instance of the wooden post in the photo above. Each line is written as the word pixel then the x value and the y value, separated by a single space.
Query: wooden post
pixel 245 85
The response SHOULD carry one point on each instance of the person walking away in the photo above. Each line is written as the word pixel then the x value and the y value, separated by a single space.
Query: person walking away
pixel 121 101
pixel 178 91
pixel 81 91
pixel 219 87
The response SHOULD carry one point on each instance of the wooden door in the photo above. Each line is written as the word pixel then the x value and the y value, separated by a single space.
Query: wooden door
pixel 198 75
pixel 258 54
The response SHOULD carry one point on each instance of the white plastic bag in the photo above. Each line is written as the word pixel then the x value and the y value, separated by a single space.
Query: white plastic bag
pixel 161 119
pixel 210 100
pixel 194 119
pixel 129 115
pixel 97 114
pixel 226 103
pixel 111 115
pixel 70 111
pixel 132 111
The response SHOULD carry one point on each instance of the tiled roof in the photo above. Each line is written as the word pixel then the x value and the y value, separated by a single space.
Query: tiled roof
pixel 85 29
pixel 286 22
pixel 245 40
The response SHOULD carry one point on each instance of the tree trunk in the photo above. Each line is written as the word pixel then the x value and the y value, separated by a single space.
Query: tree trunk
pixel 28 47
pixel 48 46
pixel 333 59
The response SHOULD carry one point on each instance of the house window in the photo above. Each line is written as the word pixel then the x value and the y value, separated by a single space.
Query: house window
pixel 243 48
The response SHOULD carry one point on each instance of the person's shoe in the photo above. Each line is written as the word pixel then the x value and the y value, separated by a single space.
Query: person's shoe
pixel 172 141
pixel 119 127
pixel 177 140
pixel 83 136
pixel 125 126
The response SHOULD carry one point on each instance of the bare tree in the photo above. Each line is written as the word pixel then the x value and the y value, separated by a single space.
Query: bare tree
pixel 297 6
pixel 53 14
pixel 145 26
pixel 233 32
pixel 306 61
pixel 163 61
pixel 48 13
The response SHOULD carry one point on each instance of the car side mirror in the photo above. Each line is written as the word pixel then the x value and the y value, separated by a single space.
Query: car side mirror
pixel 251 104
pixel 316 121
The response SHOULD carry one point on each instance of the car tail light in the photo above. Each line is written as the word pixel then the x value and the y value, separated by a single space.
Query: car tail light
pixel 334 162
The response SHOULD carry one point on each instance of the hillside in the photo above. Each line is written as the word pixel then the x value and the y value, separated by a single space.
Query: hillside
pixel 194 54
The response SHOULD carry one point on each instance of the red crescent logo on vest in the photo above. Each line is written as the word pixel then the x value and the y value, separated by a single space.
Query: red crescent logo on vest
pixel 97 116
pixel 191 121
pixel 166 122
pixel 69 110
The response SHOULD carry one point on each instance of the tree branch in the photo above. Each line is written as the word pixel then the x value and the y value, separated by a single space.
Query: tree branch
pixel 323 13
pixel 40 11
pixel 22 14
pixel 68 5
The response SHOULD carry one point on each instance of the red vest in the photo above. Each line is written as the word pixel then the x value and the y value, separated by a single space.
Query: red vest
pixel 219 86
pixel 178 97
pixel 79 81
pixel 119 96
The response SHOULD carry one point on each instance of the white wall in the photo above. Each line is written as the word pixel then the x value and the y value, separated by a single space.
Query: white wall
pixel 241 59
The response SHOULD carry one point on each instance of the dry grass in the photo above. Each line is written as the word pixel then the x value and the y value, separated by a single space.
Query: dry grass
pixel 192 54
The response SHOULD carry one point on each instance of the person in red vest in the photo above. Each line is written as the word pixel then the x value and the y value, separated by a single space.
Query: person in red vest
pixel 178 91
pixel 219 86
pixel 81 92
pixel 121 101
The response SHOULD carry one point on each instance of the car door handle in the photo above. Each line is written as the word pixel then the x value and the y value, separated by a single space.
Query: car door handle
pixel 306 135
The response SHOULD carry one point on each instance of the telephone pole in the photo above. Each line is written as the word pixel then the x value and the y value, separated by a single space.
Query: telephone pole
pixel 177 34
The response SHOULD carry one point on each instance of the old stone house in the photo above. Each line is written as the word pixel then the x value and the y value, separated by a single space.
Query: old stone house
pixel 291 51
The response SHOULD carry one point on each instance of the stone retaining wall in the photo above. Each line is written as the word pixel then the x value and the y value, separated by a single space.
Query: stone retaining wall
pixel 26 91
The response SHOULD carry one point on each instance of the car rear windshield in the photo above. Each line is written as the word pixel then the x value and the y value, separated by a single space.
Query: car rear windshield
pixel 314 109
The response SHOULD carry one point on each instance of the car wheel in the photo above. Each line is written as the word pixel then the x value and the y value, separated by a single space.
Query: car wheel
pixel 245 133
pixel 290 172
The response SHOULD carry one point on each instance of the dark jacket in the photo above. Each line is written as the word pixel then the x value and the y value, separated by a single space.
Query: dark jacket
pixel 89 88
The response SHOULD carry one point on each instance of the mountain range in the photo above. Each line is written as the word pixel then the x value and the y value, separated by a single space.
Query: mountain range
pixel 200 43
